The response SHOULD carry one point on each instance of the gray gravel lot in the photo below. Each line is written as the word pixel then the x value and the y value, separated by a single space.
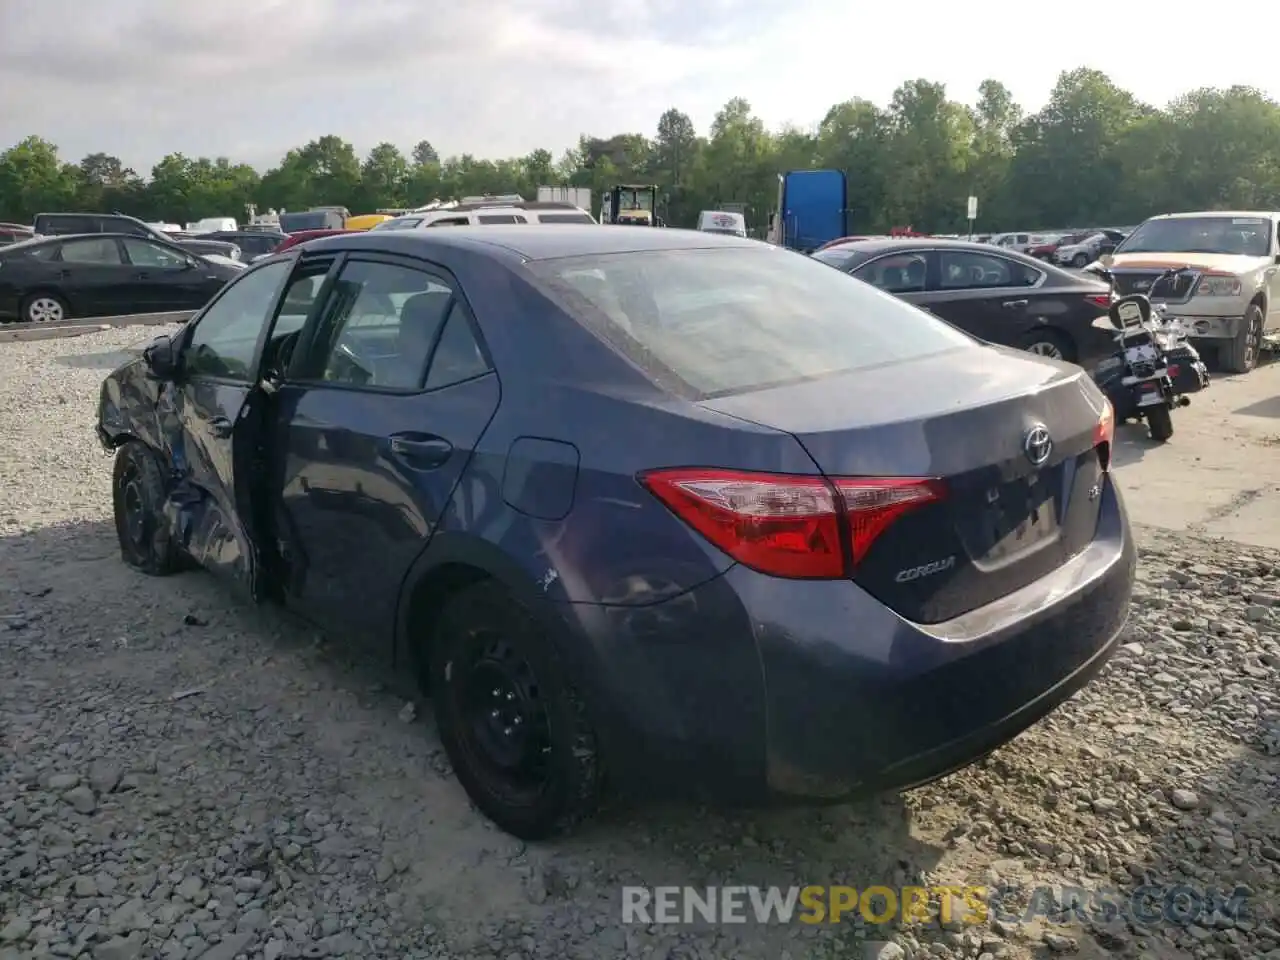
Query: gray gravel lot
pixel 185 777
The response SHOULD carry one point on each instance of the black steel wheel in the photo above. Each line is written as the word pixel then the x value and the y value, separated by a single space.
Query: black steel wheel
pixel 514 727
pixel 138 494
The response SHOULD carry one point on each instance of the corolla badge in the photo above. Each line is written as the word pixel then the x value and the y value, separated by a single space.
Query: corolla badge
pixel 1037 444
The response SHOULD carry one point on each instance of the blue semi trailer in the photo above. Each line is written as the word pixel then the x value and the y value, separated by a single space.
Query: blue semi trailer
pixel 811 211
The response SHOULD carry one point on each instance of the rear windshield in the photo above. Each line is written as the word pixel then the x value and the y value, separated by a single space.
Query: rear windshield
pixel 835 256
pixel 719 322
pixel 565 218
pixel 399 223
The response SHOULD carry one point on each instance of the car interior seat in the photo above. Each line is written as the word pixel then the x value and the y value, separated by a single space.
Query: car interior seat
pixel 420 319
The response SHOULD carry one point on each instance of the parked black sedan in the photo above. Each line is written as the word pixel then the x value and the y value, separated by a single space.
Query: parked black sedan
pixel 101 275
pixel 996 294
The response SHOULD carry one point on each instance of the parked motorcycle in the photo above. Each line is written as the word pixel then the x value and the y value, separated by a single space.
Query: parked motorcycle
pixel 1154 366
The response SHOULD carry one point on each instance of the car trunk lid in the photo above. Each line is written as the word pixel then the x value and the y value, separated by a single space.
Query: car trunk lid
pixel 1011 507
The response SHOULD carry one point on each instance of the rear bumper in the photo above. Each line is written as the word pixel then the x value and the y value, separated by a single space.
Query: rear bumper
pixel 756 689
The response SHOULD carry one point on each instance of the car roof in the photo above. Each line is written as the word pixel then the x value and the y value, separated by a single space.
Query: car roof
pixel 889 244
pixel 1186 215
pixel 533 242
pixel 72 213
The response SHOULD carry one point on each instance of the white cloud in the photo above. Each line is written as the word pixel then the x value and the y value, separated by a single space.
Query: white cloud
pixel 251 78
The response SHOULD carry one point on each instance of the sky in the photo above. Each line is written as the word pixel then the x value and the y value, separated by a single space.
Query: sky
pixel 249 79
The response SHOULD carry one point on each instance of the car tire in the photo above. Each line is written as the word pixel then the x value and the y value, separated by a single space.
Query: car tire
pixel 44 308
pixel 1080 260
pixel 138 495
pixel 1159 423
pixel 503 700
pixel 1053 344
pixel 1241 354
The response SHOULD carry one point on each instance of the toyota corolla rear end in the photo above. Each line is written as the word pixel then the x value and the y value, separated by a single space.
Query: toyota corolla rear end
pixel 962 565
pixel 941 558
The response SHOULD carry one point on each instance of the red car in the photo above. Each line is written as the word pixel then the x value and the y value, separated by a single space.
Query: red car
pixel 14 233
pixel 302 236
pixel 1045 251
pixel 840 240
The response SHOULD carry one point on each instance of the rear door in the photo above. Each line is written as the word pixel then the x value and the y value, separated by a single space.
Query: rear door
pixel 222 412
pixel 93 276
pixel 380 411
pixel 985 294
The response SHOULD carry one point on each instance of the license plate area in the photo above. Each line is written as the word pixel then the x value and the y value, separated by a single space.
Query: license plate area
pixel 1012 518
pixel 1141 353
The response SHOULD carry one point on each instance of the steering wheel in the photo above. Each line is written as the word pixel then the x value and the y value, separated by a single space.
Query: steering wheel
pixel 351 364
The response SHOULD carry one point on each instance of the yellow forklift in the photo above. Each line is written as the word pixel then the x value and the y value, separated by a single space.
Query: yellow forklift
pixel 634 205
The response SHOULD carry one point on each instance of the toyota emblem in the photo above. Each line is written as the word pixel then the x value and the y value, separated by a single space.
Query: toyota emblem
pixel 1038 445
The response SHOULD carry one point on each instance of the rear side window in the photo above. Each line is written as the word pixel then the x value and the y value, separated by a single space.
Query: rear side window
pixel 969 270
pixel 896 273
pixel 564 218
pixel 104 252
pixel 378 327
pixel 490 218
pixel 60 226
pixel 715 322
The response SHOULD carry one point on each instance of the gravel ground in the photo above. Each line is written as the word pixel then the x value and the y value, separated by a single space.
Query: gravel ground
pixel 182 776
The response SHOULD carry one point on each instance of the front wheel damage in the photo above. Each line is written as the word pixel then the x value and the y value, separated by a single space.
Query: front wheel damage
pixel 139 492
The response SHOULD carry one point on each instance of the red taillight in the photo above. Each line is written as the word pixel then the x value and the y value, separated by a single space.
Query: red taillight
pixel 873 503
pixel 1104 433
pixel 1102 300
pixel 785 525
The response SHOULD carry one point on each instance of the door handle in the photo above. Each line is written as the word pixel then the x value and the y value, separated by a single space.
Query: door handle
pixel 220 427
pixel 421 451
pixel 1013 304
pixel 142 275
pixel 64 274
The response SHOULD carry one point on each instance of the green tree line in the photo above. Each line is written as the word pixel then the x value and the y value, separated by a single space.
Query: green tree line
pixel 1094 154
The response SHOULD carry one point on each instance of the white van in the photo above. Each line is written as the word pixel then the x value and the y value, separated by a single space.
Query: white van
pixel 467 215
pixel 722 221
pixel 213 225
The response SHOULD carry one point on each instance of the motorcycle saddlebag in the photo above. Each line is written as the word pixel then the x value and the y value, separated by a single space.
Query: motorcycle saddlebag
pixel 1108 375
pixel 1191 375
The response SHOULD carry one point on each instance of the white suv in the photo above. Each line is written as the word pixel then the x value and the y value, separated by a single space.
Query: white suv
pixel 468 215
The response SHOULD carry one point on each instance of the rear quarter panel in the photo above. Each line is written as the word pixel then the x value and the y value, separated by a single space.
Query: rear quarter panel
pixel 617 544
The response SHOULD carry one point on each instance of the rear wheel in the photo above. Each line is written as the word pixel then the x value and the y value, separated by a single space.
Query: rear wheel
pixel 44 308
pixel 1049 343
pixel 1159 422
pixel 138 495
pixel 1241 355
pixel 514 727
